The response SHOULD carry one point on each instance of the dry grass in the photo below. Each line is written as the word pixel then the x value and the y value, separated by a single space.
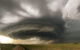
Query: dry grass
pixel 69 46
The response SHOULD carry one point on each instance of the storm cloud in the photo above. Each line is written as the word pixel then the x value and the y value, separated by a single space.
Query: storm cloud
pixel 24 19
pixel 43 28
pixel 46 19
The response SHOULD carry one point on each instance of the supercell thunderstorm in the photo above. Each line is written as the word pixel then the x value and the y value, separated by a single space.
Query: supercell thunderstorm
pixel 40 21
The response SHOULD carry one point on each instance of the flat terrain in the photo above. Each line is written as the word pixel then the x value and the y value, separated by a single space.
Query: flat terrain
pixel 68 46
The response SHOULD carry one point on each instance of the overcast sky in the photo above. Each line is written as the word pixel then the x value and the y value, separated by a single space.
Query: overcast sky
pixel 14 11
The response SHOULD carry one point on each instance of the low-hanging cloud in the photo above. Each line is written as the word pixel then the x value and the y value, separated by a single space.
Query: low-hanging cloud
pixel 27 15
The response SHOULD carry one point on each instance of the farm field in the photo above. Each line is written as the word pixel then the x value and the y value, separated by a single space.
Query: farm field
pixel 67 46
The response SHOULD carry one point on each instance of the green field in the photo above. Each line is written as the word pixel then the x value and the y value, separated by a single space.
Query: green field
pixel 68 46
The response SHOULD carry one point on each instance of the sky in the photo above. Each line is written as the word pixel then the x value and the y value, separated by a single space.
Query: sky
pixel 53 16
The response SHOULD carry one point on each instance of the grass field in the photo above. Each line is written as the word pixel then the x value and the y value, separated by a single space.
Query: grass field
pixel 68 46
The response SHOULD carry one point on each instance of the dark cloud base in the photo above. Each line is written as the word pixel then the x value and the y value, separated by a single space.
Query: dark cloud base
pixel 33 33
pixel 42 22
pixel 55 21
